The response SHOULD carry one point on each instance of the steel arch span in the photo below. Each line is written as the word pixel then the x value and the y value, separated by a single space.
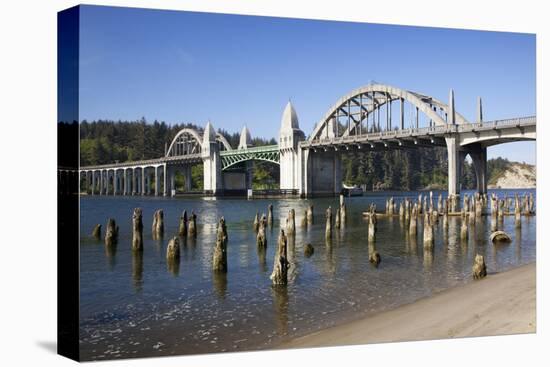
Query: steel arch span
pixel 268 153
pixel 187 141
pixel 356 107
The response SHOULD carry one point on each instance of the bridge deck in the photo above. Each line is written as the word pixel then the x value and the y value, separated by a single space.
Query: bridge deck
pixel 146 162
pixel 433 133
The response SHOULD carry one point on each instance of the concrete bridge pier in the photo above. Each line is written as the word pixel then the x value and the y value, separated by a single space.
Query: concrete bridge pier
pixel 158 173
pixel 323 173
pixel 454 164
pixel 188 178
pixel 478 153
pixel 145 177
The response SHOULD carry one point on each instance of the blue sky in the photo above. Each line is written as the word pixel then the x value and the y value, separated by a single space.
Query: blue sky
pixel 235 70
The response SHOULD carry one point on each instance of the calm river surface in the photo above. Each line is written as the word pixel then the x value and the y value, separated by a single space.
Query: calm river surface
pixel 134 306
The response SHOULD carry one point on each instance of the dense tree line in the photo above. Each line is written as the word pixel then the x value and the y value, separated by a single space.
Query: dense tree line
pixel 105 141
pixel 421 168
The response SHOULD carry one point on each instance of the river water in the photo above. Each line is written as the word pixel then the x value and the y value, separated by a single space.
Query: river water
pixel 136 306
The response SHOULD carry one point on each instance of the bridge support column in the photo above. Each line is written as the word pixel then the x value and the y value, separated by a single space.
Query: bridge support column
pixel 125 182
pixel 479 160
pixel 101 182
pixel 165 189
pixel 93 182
pixel 143 181
pixel 322 173
pixel 157 180
pixel 188 178
pixel 454 164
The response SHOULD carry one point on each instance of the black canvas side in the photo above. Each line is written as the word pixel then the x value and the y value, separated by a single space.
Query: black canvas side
pixel 68 183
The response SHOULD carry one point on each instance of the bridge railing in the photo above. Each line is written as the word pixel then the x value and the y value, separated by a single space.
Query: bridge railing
pixel 259 149
pixel 143 163
pixel 495 124
pixel 424 131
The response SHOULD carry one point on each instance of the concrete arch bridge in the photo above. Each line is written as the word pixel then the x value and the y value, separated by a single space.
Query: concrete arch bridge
pixel 373 117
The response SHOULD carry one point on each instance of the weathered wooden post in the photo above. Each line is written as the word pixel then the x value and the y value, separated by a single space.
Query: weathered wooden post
pixel 328 226
pixel 479 206
pixel 401 210
pixel 374 256
pixel 479 269
pixel 173 249
pixel 343 214
pixel 428 232
pixel 412 223
pixel 280 264
pixel 137 230
pixel 261 239
pixel 291 223
pixel 337 219
pixel 304 219
pixel 509 201
pixel 464 226
pixel 472 212
pixel 270 214
pixel 517 212
pixel 372 225
pixel 425 205
pixel 96 232
pixel 157 228
pixel 310 215
pixel 440 204
pixel 256 222
pixel 494 205
pixel 526 199
pixel 219 258
pixel 182 230
pixel 466 202
pixel 407 211
pixel 111 233
pixel 501 209
pixel 342 209
pixel 531 203
pixel 192 225
pixel 308 250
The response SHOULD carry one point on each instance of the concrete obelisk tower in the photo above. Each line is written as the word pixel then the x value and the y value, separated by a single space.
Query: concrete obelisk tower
pixel 211 161
pixel 245 142
pixel 290 154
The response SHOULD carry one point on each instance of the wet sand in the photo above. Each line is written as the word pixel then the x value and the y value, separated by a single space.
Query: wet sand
pixel 500 304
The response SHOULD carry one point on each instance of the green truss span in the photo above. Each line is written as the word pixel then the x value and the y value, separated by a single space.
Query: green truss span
pixel 269 153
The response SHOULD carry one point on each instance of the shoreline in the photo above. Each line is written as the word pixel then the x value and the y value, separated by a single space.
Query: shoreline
pixel 500 304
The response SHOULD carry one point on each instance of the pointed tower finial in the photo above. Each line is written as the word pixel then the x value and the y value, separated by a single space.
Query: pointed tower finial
pixel 245 140
pixel 479 111
pixel 452 115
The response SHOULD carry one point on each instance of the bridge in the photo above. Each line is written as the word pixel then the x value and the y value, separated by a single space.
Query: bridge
pixel 375 117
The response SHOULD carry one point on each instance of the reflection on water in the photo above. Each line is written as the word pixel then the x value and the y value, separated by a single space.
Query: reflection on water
pixel 137 304
pixel 137 269
pixel 219 280
pixel 280 303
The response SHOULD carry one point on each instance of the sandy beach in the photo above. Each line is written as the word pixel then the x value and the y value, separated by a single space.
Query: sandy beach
pixel 502 303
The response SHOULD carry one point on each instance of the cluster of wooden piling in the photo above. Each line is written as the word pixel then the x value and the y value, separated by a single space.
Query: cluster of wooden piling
pixel 473 208
pixel 409 211
pixel 186 228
